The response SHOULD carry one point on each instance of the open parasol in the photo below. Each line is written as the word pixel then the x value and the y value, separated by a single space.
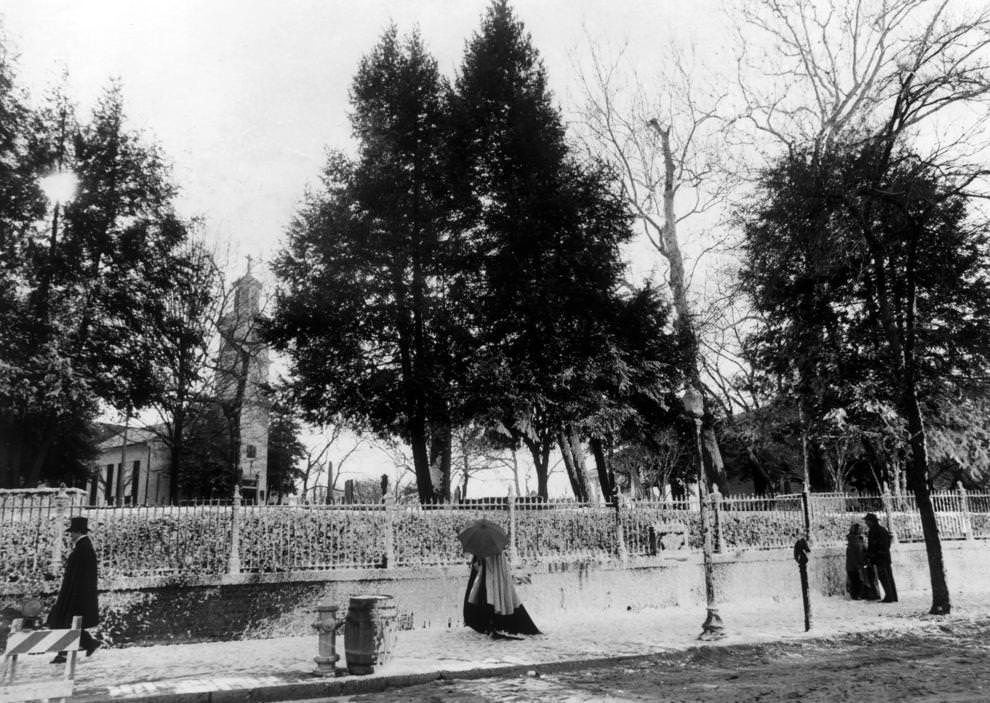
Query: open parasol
pixel 483 538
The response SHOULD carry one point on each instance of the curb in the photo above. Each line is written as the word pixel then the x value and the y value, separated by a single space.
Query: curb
pixel 318 687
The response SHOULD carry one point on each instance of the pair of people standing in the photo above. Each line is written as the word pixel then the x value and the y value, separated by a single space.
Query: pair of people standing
pixel 868 561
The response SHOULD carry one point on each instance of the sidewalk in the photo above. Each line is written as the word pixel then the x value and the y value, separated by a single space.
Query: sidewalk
pixel 281 669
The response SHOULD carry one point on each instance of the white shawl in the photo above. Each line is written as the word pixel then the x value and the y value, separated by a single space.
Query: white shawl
pixel 499 590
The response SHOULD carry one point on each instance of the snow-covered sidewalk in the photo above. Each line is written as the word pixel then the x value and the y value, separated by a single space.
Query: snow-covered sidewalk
pixel 168 671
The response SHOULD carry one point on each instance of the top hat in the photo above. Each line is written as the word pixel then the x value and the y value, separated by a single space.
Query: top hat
pixel 870 517
pixel 78 524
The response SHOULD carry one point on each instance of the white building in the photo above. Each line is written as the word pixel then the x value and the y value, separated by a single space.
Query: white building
pixel 138 473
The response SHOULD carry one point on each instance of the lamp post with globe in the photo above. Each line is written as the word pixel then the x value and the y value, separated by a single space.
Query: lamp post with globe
pixel 711 629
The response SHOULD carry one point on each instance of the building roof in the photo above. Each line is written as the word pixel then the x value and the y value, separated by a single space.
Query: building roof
pixel 135 435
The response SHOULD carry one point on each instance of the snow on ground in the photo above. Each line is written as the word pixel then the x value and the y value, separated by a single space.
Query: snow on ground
pixel 578 635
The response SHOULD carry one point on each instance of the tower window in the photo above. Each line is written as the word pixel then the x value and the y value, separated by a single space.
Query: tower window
pixel 251 451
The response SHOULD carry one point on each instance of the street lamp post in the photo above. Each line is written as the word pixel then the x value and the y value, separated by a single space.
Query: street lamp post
pixel 711 629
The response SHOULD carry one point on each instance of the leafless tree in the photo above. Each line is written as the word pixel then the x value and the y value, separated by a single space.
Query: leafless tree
pixel 187 342
pixel 319 462
pixel 666 139
pixel 826 72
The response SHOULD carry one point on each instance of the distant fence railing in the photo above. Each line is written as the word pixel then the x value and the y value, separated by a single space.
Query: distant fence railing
pixel 207 541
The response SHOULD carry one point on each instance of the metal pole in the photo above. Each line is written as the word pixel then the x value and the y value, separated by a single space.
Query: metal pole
pixel 712 628
pixel 806 493
pixel 801 550
pixel 513 553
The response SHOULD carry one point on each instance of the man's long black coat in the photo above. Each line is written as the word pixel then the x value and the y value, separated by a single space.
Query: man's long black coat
pixel 78 595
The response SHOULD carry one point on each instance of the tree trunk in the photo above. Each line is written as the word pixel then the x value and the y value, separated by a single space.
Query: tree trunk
pixel 713 456
pixel 175 460
pixel 570 448
pixel 440 461
pixel 421 459
pixel 540 451
pixel 918 467
pixel 684 322
pixel 606 478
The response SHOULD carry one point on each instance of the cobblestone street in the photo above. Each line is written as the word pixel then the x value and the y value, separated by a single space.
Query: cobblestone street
pixel 941 663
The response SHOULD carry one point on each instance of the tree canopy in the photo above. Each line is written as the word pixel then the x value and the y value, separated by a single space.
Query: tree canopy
pixel 84 275
pixel 464 267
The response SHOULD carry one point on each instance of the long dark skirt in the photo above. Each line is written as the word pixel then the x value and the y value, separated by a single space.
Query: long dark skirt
pixel 481 616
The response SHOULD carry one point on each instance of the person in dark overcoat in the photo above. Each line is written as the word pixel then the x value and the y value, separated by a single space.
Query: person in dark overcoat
pixel 78 592
pixel 878 556
pixel 855 562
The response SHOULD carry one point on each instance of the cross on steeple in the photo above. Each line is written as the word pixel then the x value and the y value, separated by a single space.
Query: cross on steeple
pixel 249 260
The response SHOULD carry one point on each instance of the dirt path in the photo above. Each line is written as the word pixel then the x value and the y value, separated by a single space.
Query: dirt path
pixel 941 663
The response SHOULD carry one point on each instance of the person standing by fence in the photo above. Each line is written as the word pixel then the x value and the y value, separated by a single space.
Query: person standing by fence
pixel 78 592
pixel 856 563
pixel 878 556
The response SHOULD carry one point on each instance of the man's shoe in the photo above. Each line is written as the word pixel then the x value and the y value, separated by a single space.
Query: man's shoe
pixel 93 647
pixel 889 600
pixel 59 658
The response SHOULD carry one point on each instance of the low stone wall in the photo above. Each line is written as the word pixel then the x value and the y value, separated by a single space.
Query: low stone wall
pixel 276 605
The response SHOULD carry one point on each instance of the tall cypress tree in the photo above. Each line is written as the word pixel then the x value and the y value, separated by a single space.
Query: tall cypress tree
pixel 545 232
pixel 364 311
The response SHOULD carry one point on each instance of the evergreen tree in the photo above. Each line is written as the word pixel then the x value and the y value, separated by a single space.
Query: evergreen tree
pixel 87 287
pixel 545 234
pixel 909 298
pixel 364 311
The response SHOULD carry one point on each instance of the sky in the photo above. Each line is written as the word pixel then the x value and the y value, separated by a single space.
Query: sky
pixel 245 96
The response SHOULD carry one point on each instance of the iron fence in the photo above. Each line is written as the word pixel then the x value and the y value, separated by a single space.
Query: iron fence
pixel 213 540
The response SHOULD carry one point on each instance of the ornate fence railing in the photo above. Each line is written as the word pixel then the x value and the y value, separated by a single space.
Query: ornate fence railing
pixel 211 541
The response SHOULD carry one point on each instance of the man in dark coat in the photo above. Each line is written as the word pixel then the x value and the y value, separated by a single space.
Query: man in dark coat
pixel 878 555
pixel 78 594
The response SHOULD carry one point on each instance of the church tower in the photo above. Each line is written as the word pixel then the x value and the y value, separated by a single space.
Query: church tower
pixel 242 371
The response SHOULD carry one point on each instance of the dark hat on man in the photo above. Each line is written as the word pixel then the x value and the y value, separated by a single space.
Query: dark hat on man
pixel 78 524
pixel 870 517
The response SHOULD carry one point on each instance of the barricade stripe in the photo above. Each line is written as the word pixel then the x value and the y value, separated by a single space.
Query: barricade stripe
pixel 68 641
pixel 24 643
pixel 42 641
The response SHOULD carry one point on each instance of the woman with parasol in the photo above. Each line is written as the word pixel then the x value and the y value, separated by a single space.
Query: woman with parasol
pixel 491 604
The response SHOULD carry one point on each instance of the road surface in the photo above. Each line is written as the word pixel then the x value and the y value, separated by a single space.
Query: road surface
pixel 940 664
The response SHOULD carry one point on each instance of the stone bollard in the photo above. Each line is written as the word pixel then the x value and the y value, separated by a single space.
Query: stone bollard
pixel 326 625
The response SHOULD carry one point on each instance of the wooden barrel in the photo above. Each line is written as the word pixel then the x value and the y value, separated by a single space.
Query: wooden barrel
pixel 370 631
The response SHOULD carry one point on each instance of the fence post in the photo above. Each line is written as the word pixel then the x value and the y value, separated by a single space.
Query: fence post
pixel 967 524
pixel 806 514
pixel 885 499
pixel 389 505
pixel 234 560
pixel 716 499
pixel 512 525
pixel 58 529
